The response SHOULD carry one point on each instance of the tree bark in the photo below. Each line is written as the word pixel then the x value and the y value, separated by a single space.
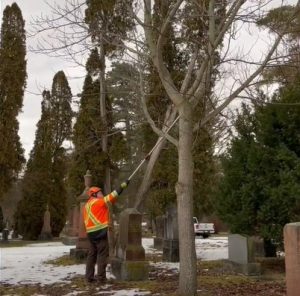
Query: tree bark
pixel 102 98
pixel 104 146
pixel 184 191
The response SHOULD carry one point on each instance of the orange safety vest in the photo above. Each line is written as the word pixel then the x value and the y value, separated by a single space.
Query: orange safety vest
pixel 96 212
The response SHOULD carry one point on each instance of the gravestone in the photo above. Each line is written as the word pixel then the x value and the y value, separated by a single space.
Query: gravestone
pixel 15 234
pixel 241 252
pixel 70 235
pixel 159 232
pixel 129 263
pixel 171 241
pixel 291 233
pixel 5 233
pixel 82 244
pixel 46 230
pixel 259 250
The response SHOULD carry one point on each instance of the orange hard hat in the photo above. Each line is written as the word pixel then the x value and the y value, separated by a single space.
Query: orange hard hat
pixel 93 191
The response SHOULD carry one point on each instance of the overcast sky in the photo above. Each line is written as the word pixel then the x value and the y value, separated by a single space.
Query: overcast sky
pixel 41 68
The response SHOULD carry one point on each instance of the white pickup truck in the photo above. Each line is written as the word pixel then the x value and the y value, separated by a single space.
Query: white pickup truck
pixel 204 229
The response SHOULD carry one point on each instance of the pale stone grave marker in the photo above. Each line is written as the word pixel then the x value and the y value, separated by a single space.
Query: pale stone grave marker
pixel 241 252
pixel 171 241
pixel 159 231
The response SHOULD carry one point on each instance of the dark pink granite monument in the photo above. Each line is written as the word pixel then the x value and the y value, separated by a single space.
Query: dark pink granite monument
pixel 82 242
pixel 291 234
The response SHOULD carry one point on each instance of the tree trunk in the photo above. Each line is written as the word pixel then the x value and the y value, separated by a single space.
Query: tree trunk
pixel 104 146
pixel 146 182
pixel 144 187
pixel 184 191
pixel 102 97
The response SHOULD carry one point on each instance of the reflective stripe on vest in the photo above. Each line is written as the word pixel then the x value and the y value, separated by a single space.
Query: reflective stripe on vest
pixel 92 222
pixel 90 214
pixel 109 197
pixel 97 224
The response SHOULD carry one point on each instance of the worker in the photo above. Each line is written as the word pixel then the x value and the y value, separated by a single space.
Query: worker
pixel 96 219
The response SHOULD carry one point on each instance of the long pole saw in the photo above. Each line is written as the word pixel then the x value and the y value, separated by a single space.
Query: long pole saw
pixel 157 143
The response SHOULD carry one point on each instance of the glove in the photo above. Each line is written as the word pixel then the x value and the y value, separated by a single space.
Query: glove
pixel 124 184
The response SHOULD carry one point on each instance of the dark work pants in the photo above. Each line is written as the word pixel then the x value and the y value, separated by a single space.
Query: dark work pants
pixel 98 253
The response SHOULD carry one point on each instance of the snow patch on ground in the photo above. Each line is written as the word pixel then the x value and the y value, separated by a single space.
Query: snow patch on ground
pixel 26 265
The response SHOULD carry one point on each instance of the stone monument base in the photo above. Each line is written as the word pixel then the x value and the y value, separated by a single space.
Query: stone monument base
pixel 130 270
pixel 45 236
pixel 69 240
pixel 253 269
pixel 171 250
pixel 78 254
pixel 158 243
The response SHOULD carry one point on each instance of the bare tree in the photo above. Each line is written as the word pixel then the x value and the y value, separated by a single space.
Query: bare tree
pixel 219 27
pixel 193 87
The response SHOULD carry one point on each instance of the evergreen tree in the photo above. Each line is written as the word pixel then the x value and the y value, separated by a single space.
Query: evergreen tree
pixel 36 187
pixel 44 179
pixel 61 112
pixel 205 172
pixel 12 84
pixel 61 129
pixel 58 199
pixel 125 151
pixel 88 153
pixel 108 23
pixel 260 189
pixel 288 69
pixel 124 114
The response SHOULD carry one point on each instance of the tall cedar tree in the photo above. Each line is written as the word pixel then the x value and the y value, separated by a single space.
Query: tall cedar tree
pixel 12 84
pixel 123 88
pixel 36 185
pixel 88 154
pixel 260 189
pixel 44 179
pixel 108 23
pixel 61 127
pixel 287 70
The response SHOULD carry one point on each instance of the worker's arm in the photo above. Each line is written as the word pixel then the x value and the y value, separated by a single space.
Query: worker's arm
pixel 112 197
